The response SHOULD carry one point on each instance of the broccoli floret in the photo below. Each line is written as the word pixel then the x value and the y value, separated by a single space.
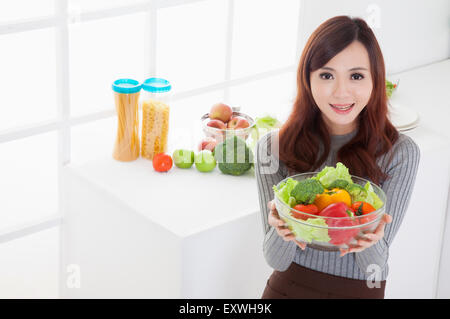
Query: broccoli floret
pixel 306 190
pixel 233 156
pixel 357 192
pixel 339 183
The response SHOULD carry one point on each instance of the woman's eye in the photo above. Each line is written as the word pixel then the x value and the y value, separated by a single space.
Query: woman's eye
pixel 326 76
pixel 357 76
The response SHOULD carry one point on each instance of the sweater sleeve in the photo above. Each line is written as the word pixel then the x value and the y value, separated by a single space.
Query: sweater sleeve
pixel 268 171
pixel 398 188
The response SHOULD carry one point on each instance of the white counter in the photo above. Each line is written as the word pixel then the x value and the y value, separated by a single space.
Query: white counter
pixel 184 234
pixel 134 232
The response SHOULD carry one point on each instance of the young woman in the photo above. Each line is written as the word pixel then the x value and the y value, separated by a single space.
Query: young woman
pixel 339 115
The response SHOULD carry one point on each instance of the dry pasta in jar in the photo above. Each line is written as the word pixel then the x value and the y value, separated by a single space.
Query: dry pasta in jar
pixel 126 95
pixel 155 117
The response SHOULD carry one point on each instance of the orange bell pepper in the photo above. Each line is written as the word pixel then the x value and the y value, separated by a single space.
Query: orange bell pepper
pixel 332 196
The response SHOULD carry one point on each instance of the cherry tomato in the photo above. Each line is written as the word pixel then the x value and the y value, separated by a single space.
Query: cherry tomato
pixel 309 209
pixel 363 208
pixel 162 162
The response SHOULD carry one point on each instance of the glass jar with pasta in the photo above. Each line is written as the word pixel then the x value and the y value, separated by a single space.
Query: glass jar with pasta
pixel 126 95
pixel 155 116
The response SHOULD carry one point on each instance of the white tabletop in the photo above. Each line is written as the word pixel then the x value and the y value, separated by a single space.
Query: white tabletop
pixel 184 201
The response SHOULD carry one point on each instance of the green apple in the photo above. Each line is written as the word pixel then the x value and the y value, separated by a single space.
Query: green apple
pixel 205 161
pixel 183 158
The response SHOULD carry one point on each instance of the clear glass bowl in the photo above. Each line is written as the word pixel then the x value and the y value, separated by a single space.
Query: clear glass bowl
pixel 330 237
pixel 221 134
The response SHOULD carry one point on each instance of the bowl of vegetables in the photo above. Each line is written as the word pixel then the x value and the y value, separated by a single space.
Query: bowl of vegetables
pixel 330 209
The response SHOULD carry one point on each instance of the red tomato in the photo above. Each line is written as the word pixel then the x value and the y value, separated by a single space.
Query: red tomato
pixel 162 162
pixel 309 209
pixel 363 208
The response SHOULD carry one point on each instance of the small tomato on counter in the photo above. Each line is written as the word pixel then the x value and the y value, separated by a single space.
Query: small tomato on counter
pixel 162 162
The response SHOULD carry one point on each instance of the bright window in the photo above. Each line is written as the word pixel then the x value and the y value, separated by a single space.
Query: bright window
pixel 28 81
pixel 102 51
pixel 264 36
pixel 25 9
pixel 28 184
pixel 191 44
pixel 58 61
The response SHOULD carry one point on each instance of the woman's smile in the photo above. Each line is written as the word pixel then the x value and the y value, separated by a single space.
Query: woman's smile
pixel 342 108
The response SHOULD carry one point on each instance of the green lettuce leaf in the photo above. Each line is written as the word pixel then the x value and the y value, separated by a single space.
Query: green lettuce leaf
pixel 262 125
pixel 329 174
pixel 390 88
pixel 310 233
pixel 372 197
pixel 292 201
pixel 284 190
pixel 267 122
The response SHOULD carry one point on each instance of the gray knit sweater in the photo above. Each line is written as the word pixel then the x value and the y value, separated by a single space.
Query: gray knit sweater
pixel 279 254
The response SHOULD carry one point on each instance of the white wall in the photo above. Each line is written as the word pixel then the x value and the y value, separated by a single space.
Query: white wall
pixel 29 266
pixel 410 33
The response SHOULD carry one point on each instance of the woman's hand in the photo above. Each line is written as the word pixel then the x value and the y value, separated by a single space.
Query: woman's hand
pixel 281 227
pixel 369 239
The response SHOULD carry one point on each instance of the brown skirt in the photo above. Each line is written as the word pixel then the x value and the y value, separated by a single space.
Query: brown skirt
pixel 298 282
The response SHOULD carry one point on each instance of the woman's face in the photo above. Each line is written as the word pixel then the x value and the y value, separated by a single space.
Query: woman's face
pixel 342 88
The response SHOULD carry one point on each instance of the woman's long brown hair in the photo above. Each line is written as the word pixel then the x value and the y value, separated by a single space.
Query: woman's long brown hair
pixel 301 134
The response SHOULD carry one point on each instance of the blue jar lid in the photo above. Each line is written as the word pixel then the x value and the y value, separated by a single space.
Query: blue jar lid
pixel 156 85
pixel 126 86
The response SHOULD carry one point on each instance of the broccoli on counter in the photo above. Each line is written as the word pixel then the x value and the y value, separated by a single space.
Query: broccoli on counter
pixel 306 190
pixel 233 156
